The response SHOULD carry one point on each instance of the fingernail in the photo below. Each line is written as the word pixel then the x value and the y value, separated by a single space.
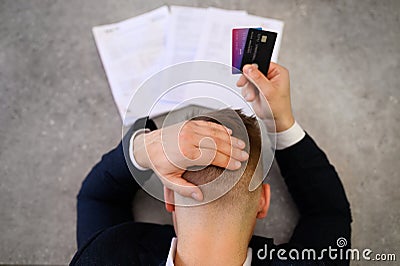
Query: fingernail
pixel 253 73
pixel 247 69
pixel 237 164
pixel 196 196
pixel 255 65
pixel 244 155
pixel 246 96
pixel 229 131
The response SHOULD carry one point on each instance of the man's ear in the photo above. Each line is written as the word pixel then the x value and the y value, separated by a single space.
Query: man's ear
pixel 264 201
pixel 169 199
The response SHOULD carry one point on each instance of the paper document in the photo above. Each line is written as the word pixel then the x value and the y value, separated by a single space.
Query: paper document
pixel 183 33
pixel 135 49
pixel 130 54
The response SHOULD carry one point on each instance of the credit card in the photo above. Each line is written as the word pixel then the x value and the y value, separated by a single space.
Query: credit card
pixel 239 37
pixel 258 49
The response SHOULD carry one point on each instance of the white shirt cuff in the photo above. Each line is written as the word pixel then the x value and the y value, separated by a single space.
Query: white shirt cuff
pixel 131 156
pixel 289 137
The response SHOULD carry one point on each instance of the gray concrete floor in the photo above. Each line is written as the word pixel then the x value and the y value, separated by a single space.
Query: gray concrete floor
pixel 57 115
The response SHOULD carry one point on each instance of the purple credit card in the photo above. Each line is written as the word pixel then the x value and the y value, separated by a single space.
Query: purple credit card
pixel 239 37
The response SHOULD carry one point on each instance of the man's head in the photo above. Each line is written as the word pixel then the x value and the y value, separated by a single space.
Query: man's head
pixel 229 202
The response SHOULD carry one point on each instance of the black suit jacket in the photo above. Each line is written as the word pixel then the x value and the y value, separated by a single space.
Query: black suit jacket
pixel 107 234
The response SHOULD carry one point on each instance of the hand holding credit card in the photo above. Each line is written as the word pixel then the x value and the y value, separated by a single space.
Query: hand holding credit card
pixel 252 46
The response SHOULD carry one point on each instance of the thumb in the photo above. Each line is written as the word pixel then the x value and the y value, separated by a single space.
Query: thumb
pixel 183 187
pixel 255 76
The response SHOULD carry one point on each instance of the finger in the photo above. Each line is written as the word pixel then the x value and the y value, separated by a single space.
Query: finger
pixel 218 159
pixel 215 133
pixel 221 139
pixel 253 74
pixel 183 187
pixel 201 124
pixel 272 66
pixel 222 147
pixel 273 70
pixel 250 92
pixel 242 81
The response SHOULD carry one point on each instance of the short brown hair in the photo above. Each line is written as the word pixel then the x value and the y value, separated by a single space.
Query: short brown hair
pixel 247 129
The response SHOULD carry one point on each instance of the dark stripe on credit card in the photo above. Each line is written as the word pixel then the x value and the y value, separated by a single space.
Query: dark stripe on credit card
pixel 258 49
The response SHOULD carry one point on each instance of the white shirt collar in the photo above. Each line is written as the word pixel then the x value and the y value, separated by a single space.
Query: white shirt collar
pixel 172 252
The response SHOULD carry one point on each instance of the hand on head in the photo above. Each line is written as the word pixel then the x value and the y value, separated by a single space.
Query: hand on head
pixel 171 150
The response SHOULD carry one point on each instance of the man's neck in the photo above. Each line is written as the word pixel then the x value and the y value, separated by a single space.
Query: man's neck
pixel 212 244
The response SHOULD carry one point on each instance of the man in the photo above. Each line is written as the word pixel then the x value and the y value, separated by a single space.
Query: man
pixel 220 231
pixel 222 228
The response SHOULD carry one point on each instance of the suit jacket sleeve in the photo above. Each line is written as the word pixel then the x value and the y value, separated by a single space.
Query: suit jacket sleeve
pixel 106 194
pixel 318 193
